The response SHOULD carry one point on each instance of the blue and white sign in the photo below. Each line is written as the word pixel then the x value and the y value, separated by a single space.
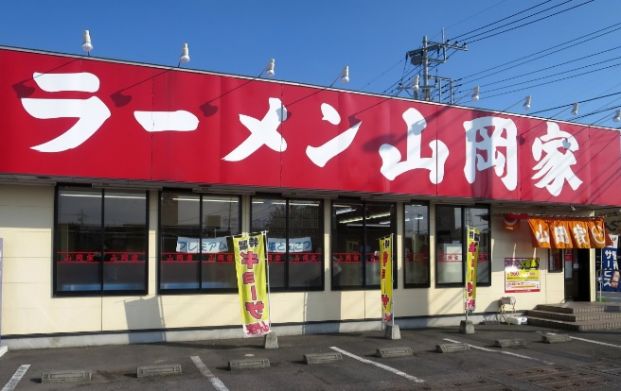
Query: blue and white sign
pixel 610 268
pixel 209 245
pixel 296 245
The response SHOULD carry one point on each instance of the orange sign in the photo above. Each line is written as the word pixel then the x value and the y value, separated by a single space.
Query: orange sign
pixel 565 233
pixel 597 233
pixel 579 234
pixel 540 233
pixel 559 234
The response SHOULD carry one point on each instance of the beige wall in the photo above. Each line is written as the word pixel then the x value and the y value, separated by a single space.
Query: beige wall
pixel 26 221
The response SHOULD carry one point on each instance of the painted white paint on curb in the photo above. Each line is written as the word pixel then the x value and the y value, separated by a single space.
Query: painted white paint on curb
pixel 3 350
pixel 16 378
pixel 596 342
pixel 215 382
pixel 501 352
pixel 382 366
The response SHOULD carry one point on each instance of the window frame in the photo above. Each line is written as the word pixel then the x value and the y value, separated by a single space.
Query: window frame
pixel 561 254
pixel 199 290
pixel 56 246
pixel 411 285
pixel 393 224
pixel 464 245
pixel 287 288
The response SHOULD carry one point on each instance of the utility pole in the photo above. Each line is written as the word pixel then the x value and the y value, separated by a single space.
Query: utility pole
pixel 421 57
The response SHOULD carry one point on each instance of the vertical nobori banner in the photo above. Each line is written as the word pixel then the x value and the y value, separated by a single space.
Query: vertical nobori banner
pixel 250 264
pixel 472 258
pixel 385 246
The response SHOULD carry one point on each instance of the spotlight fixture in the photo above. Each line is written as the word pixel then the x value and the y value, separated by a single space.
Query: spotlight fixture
pixel 87 45
pixel 345 74
pixel 528 102
pixel 185 54
pixel 575 108
pixel 476 93
pixel 270 69
pixel 617 117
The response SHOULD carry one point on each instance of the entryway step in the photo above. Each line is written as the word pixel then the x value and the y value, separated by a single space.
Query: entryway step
pixel 579 308
pixel 589 325
pixel 574 317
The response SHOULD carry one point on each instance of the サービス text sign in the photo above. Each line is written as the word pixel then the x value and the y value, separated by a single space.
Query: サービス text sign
pixel 82 117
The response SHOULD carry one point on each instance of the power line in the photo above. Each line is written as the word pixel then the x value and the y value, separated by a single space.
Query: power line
pixel 553 81
pixel 554 75
pixel 579 101
pixel 528 58
pixel 581 58
pixel 509 17
pixel 393 66
pixel 531 22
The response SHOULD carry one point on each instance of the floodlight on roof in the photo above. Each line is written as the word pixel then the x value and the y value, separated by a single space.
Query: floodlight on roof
pixel 185 54
pixel 87 44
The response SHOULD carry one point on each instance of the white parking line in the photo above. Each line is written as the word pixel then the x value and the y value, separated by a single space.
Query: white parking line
pixel 596 342
pixel 16 378
pixel 501 352
pixel 215 382
pixel 382 366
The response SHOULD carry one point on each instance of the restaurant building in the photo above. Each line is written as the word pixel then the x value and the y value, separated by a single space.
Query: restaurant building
pixel 121 185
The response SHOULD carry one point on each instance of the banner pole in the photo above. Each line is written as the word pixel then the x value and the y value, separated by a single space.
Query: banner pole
pixel 269 289
pixel 392 264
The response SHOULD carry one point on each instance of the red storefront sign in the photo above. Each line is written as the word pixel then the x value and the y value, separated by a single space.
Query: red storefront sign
pixel 82 117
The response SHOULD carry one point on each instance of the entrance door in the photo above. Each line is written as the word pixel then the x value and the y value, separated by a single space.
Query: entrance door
pixel 576 270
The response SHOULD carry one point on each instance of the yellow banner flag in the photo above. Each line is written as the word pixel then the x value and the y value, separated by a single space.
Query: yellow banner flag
pixel 472 258
pixel 385 246
pixel 250 264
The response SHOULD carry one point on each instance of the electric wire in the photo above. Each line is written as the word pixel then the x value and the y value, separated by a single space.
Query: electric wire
pixel 555 74
pixel 581 58
pixel 529 23
pixel 529 57
pixel 466 37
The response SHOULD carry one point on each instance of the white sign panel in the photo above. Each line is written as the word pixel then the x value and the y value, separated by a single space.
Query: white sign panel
pixel 210 245
pixel 296 245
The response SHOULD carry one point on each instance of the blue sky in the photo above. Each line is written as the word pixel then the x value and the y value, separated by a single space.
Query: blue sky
pixel 312 40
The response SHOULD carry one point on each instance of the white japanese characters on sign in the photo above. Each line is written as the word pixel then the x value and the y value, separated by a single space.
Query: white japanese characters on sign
pixel 479 139
pixel 490 141
pixel 322 154
pixel 393 166
pixel 554 153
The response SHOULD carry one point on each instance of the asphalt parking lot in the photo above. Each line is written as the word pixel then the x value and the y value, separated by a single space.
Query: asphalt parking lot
pixel 589 361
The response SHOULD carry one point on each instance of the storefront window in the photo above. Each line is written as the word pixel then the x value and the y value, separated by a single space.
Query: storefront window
pixel 452 223
pixel 356 230
pixel 555 261
pixel 416 245
pixel 195 241
pixel 479 218
pixel 294 241
pixel 101 241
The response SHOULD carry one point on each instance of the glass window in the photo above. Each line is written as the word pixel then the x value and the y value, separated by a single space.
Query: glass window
pixel 416 245
pixel 555 260
pixel 220 222
pixel 451 229
pixel 294 241
pixel 356 230
pixel 125 241
pixel 101 240
pixel 195 241
pixel 449 245
pixel 479 218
